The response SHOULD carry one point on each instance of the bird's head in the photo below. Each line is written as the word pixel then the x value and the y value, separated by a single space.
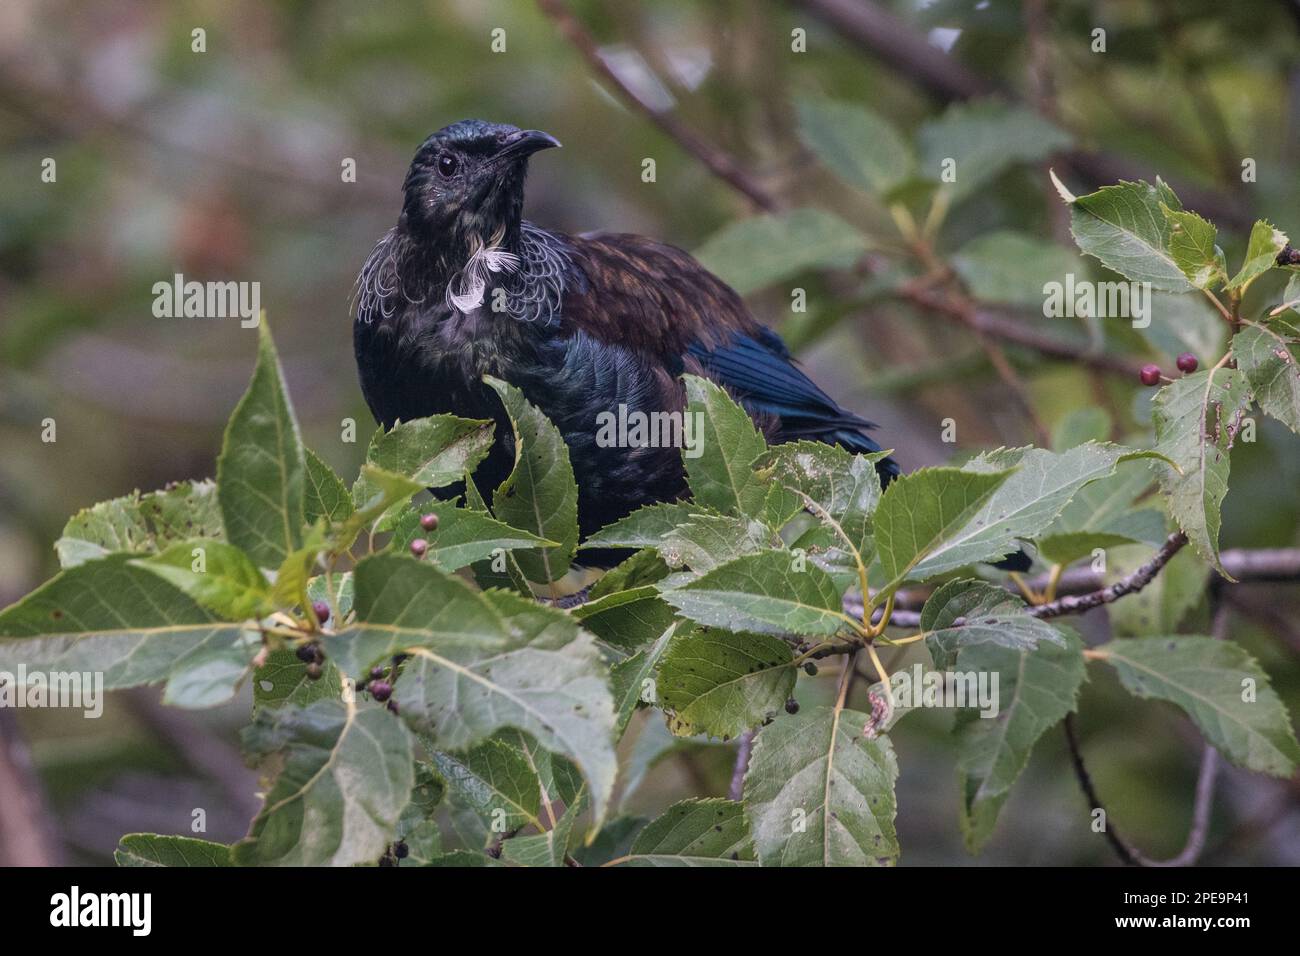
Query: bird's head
pixel 466 183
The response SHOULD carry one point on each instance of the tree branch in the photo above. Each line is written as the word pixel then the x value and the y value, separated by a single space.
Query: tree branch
pixel 720 163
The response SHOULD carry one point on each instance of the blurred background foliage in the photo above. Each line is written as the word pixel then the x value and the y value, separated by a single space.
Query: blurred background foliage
pixel 226 165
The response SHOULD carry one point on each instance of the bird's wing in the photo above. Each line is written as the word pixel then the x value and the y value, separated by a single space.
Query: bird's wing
pixel 649 296
pixel 659 299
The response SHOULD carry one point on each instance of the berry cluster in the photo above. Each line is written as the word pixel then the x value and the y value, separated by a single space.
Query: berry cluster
pixel 1151 374
pixel 419 546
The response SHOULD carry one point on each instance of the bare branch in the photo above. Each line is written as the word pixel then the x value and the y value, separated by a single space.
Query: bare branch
pixel 719 163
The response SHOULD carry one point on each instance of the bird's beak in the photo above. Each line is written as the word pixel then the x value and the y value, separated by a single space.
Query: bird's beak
pixel 526 142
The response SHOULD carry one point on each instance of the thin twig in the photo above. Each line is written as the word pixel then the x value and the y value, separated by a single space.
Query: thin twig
pixel 1130 583
pixel 719 163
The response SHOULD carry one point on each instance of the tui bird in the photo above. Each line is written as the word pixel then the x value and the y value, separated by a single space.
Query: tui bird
pixel 464 286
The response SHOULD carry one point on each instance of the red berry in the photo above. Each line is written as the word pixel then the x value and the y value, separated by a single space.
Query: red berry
pixel 1187 363
pixel 429 522
pixel 381 690
pixel 1150 375
pixel 418 547
pixel 322 610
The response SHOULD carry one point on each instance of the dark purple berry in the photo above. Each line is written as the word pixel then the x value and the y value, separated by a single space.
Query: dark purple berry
pixel 392 707
pixel 792 706
pixel 387 861
pixel 377 672
pixel 429 522
pixel 401 851
pixel 810 668
pixel 314 671
pixel 1187 363
pixel 322 611
pixel 1150 375
pixel 418 547
pixel 381 690
pixel 306 653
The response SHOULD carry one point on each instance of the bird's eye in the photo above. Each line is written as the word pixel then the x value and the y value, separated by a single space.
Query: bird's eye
pixel 447 164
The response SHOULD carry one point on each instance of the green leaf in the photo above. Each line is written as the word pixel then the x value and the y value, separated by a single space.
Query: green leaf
pixel 633 677
pixel 755 253
pixel 540 495
pixel 431 452
pixel 1261 254
pixel 482 662
pixel 709 832
pixel 261 469
pixel 1268 353
pixel 985 138
pixel 226 582
pixel 282 680
pixel 324 494
pixel 769 593
pixel 642 569
pixel 1026 503
pixel 1192 245
pixel 723 477
pixel 963 613
pixel 345 776
pixel 863 148
pixel 819 793
pixel 462 536
pixel 142 524
pixel 723 683
pixel 495 781
pixel 843 487
pixel 1193 418
pixel 379 496
pixel 1221 688
pixel 1068 547
pixel 1036 689
pixel 549 848
pixel 920 516
pixel 1106 507
pixel 613 842
pixel 626 620
pixel 643 528
pixel 1124 227
pixel 704 541
pixel 1012 268
pixel 151 849
pixel 112 617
